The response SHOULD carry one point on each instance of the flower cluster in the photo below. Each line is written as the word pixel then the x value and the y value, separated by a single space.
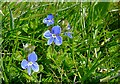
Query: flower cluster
pixel 54 34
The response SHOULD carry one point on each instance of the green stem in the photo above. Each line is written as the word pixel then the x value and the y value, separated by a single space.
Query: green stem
pixel 4 75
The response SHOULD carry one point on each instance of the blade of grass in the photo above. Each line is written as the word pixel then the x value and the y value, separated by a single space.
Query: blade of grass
pixel 11 19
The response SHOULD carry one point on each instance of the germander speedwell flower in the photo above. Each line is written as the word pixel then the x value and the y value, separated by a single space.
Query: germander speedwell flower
pixel 49 20
pixel 68 33
pixel 31 63
pixel 53 35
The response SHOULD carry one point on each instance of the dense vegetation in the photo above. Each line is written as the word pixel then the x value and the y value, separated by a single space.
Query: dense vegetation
pixel 91 55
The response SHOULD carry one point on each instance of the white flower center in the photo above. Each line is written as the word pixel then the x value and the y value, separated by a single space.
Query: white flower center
pixel 53 35
pixel 49 20
pixel 30 63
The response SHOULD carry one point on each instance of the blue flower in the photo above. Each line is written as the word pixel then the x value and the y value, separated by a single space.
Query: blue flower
pixel 53 36
pixel 68 27
pixel 31 63
pixel 49 20
pixel 69 34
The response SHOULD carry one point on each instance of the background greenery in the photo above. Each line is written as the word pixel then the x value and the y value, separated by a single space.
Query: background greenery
pixel 92 55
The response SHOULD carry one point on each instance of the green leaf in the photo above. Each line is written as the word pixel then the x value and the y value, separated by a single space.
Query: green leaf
pixel 41 68
pixel 25 29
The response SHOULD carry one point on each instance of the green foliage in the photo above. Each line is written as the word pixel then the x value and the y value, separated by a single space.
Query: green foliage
pixel 94 46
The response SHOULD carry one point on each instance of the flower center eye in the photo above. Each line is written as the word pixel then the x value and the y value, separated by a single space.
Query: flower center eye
pixel 53 35
pixel 49 20
pixel 30 64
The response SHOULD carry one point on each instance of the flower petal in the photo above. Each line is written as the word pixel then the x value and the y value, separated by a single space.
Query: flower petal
pixel 47 34
pixel 50 41
pixel 58 40
pixel 45 20
pixel 24 64
pixel 32 57
pixel 35 67
pixel 50 16
pixel 29 70
pixel 56 30
pixel 68 27
pixel 69 34
pixel 50 22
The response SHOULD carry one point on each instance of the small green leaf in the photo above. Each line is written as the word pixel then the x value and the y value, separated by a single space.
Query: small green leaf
pixel 41 68
pixel 25 28
pixel 19 32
